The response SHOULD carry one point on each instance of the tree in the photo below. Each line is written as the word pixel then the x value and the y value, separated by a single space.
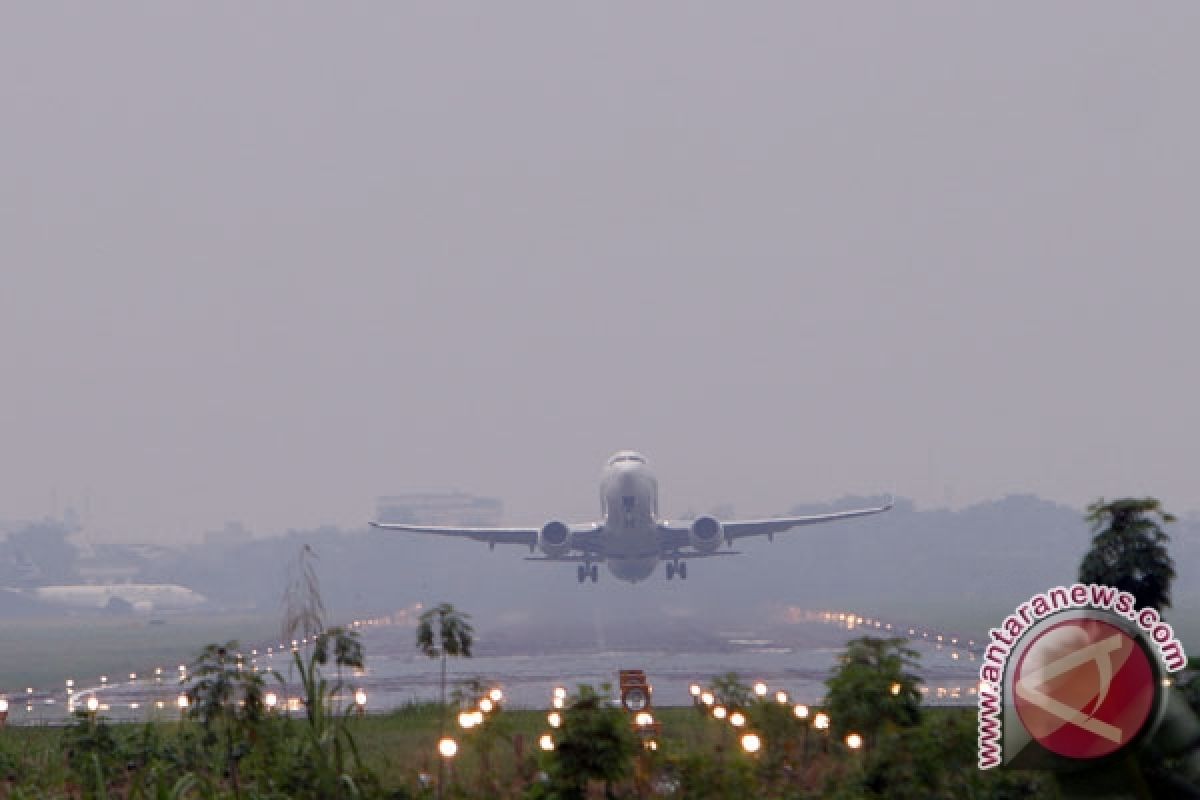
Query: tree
pixel 874 686
pixel 1129 550
pixel 595 742
pixel 228 700
pixel 444 631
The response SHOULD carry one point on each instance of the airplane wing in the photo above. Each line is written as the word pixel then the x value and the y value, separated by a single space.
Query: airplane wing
pixel 585 538
pixel 493 536
pixel 673 537
pixel 739 529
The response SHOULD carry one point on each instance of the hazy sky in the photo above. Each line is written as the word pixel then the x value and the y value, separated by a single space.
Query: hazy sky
pixel 268 261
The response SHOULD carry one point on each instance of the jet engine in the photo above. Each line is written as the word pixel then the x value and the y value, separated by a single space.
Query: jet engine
pixel 705 534
pixel 554 539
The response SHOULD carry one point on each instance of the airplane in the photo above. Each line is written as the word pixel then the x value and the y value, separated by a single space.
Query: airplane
pixel 631 539
pixel 143 597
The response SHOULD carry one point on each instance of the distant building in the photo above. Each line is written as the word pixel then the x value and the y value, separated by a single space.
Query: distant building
pixel 234 534
pixel 439 508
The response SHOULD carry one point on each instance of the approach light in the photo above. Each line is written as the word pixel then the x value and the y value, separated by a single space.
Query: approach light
pixel 854 741
pixel 707 698
pixel 896 688
pixel 3 705
pixel 466 720
pixel 737 719
pixel 760 689
pixel 801 711
pixel 486 705
pixel 546 742
pixel 360 698
pixel 751 743
pixel 92 704
pixel 694 690
pixel 643 719
pixel 781 697
pixel 496 695
pixel 270 700
pixel 554 718
pixel 182 702
pixel 821 721
pixel 719 712
pixel 448 747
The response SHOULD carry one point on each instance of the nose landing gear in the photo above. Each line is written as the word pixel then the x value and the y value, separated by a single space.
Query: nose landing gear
pixel 585 571
pixel 677 568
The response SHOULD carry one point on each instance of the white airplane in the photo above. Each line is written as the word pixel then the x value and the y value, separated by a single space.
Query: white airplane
pixel 143 597
pixel 631 539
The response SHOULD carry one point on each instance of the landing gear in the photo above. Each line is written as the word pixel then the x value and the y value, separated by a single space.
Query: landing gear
pixel 585 571
pixel 581 573
pixel 677 568
pixel 595 573
pixel 682 570
pixel 670 570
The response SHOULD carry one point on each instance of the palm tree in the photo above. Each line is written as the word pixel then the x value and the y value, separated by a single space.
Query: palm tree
pixel 1129 550
pixel 444 631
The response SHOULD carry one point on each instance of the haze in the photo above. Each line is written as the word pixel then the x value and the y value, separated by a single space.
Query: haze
pixel 267 262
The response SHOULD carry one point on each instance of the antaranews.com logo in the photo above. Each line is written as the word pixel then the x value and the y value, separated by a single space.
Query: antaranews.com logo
pixel 1075 674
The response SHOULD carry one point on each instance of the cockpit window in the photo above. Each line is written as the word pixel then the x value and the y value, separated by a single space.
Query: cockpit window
pixel 627 456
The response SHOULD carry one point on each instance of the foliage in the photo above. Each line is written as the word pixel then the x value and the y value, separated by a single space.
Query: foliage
pixel 874 687
pixel 730 691
pixel 1129 549
pixel 303 608
pixel 445 631
pixel 934 761
pixel 595 742
pixel 228 699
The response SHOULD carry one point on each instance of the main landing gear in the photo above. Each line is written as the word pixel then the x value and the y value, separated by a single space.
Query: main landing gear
pixel 677 568
pixel 586 571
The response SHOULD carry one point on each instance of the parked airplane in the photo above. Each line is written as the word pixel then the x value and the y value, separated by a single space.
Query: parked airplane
pixel 143 597
pixel 631 539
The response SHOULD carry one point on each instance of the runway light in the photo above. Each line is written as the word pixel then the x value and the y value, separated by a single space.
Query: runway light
pixel 643 719
pixel 182 702
pixel 781 698
pixel 760 689
pixel 751 743
pixel 737 719
pixel 546 742
pixel 560 692
pixel 821 721
pixel 485 705
pixel 707 698
pixel 270 699
pixel 719 712
pixel 360 699
pixel 496 695
pixel 896 688
pixel 854 741
pixel 448 747
pixel 554 718
pixel 92 704
pixel 801 711
pixel 466 720
pixel 695 690
pixel 3 705
pixel 558 702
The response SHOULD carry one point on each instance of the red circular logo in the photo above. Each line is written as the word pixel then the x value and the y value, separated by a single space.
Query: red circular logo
pixel 1084 688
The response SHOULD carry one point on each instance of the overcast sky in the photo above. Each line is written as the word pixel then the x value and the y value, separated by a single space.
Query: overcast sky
pixel 268 261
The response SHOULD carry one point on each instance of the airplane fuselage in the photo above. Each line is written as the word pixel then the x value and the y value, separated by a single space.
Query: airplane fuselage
pixel 629 505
